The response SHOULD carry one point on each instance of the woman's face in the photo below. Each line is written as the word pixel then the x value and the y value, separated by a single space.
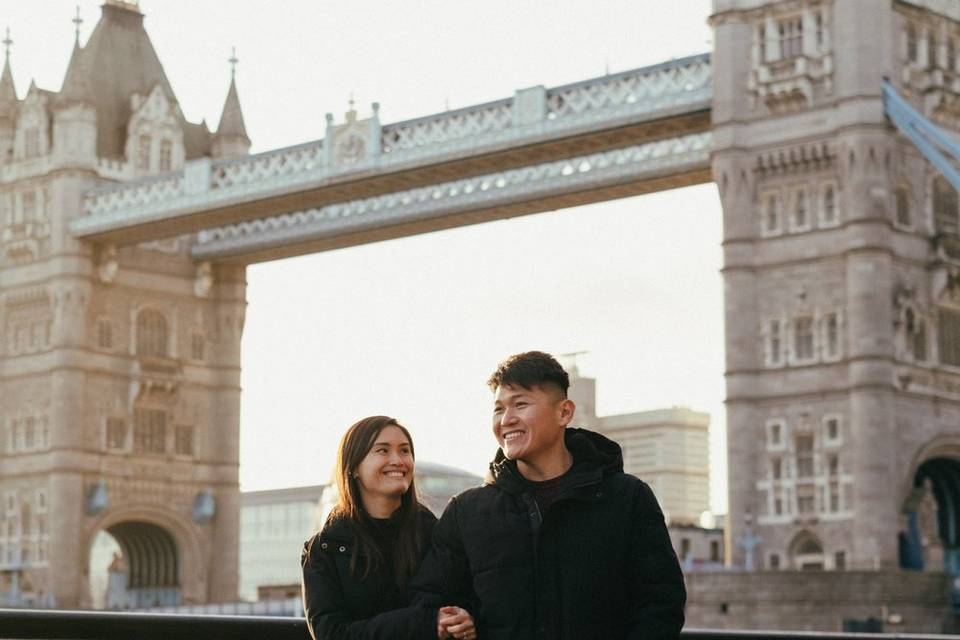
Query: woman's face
pixel 387 469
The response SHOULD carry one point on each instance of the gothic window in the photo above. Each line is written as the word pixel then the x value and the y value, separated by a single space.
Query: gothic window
pixel 774 342
pixel 911 42
pixel 149 430
pixel 28 203
pixel 774 561
pixel 183 440
pixel 840 560
pixel 29 434
pixel 803 338
pixel 948 336
pixel 776 434
pixel 197 346
pixel 821 31
pixel 804 453
pixel 806 502
pixel 791 37
pixel 828 205
pixel 831 335
pixel 31 142
pixel 116 436
pixel 771 214
pixel 776 468
pixel 800 219
pixel 951 54
pixel 104 334
pixel 166 155
pixel 945 206
pixel 762 43
pixel 833 466
pixel 902 195
pixel 831 429
pixel 151 334
pixel 931 50
pixel 143 153
pixel 714 551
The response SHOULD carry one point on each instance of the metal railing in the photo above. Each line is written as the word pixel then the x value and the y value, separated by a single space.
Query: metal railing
pixel 25 624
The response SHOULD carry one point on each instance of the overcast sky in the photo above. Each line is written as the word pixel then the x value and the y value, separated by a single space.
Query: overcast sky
pixel 413 327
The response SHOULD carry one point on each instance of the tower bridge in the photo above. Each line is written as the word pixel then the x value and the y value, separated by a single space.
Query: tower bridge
pixel 125 231
pixel 609 137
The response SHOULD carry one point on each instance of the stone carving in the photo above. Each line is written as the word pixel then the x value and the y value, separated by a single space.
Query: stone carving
pixel 28 321
pixel 929 528
pixel 203 282
pixel 107 264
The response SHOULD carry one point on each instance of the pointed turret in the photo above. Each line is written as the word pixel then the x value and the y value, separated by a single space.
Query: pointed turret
pixel 231 138
pixel 8 92
pixel 9 105
pixel 76 87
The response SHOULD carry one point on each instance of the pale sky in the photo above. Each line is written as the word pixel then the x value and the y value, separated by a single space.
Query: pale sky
pixel 413 327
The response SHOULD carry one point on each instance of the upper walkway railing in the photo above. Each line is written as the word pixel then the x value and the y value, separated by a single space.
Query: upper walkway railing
pixel 25 624
pixel 531 116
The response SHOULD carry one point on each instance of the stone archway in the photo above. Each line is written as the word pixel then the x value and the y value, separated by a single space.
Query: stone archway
pixel 156 552
pixel 806 552
pixel 930 540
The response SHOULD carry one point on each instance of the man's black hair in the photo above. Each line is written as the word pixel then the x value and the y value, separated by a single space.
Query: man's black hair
pixel 530 369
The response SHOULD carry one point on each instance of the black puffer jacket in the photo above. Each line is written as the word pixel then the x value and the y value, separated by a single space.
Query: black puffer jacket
pixel 598 564
pixel 343 606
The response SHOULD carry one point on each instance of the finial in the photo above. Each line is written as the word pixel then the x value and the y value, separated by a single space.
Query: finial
pixel 7 42
pixel 351 101
pixel 77 21
pixel 233 62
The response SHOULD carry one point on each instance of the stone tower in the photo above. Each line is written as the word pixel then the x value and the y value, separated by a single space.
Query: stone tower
pixel 841 279
pixel 119 367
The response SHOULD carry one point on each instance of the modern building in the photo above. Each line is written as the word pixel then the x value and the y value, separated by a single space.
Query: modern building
pixel 667 448
pixel 274 525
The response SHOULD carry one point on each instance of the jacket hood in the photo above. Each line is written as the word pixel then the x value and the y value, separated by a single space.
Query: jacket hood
pixel 593 454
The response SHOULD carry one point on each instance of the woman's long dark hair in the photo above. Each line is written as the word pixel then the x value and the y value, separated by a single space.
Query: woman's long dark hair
pixel 354 447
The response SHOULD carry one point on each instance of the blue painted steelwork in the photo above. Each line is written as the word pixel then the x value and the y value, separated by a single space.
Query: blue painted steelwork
pixel 934 143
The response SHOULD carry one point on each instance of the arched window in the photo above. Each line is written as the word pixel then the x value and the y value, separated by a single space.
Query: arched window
pixel 945 206
pixel 151 334
pixel 807 552
pixel 911 42
pixel 903 207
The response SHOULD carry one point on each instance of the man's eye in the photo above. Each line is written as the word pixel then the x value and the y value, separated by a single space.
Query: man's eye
pixel 521 404
pixel 498 409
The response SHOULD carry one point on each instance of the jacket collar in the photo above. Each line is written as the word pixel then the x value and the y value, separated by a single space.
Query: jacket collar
pixel 594 457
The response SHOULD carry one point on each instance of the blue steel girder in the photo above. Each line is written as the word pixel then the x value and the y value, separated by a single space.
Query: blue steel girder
pixel 934 143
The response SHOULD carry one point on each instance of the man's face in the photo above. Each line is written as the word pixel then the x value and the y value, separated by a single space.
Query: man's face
pixel 529 422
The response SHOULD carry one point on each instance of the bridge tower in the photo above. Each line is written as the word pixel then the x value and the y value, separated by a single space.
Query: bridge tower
pixel 841 283
pixel 119 369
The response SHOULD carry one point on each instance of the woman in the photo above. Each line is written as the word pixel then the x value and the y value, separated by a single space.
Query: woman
pixel 357 568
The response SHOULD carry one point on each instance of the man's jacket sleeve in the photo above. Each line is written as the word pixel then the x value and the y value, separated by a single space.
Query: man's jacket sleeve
pixel 327 615
pixel 656 583
pixel 444 578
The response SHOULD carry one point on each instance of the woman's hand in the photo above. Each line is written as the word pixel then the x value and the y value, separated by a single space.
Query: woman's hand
pixel 454 622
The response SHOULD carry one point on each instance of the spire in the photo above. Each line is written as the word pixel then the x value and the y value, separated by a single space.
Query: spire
pixel 77 21
pixel 8 92
pixel 76 82
pixel 231 138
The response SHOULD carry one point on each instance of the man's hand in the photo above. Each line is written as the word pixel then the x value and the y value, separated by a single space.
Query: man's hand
pixel 454 622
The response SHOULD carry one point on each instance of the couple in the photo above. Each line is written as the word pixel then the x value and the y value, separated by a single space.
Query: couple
pixel 557 544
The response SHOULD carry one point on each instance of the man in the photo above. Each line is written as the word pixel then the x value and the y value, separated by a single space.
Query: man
pixel 559 543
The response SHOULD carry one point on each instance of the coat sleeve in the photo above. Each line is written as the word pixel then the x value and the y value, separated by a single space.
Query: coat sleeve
pixel 656 583
pixel 326 610
pixel 444 577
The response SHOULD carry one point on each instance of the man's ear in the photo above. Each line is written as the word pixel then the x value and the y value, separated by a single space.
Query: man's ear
pixel 567 409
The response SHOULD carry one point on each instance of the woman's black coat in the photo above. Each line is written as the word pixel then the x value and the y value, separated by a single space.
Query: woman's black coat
pixel 342 606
